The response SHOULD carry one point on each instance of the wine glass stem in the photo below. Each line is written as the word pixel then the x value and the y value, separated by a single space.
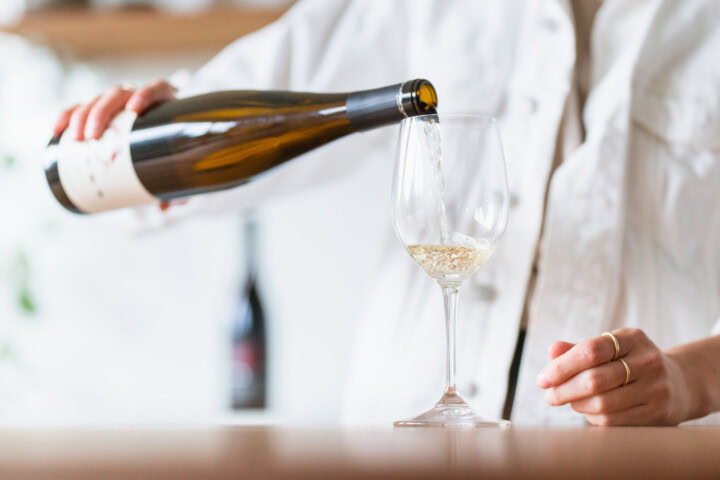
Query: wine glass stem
pixel 450 296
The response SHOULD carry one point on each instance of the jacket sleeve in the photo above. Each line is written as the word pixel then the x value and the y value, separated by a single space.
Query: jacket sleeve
pixel 266 59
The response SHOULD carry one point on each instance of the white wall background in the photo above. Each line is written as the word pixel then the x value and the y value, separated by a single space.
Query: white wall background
pixel 135 328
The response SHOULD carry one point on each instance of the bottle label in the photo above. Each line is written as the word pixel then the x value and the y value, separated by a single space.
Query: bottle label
pixel 98 175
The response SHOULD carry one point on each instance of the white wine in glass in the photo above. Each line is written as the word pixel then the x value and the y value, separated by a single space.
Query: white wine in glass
pixel 450 207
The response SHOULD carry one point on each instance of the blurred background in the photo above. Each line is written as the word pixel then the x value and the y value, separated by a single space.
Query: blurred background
pixel 102 324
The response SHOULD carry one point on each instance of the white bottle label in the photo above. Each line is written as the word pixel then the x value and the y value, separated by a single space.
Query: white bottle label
pixel 98 175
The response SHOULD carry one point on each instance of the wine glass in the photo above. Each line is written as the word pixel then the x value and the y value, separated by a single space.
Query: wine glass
pixel 449 209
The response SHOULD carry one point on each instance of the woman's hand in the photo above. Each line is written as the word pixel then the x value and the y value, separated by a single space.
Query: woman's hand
pixel 585 376
pixel 89 120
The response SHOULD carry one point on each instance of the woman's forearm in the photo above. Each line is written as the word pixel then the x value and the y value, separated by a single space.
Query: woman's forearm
pixel 700 364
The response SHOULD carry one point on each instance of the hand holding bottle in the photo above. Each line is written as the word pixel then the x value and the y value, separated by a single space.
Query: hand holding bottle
pixel 89 120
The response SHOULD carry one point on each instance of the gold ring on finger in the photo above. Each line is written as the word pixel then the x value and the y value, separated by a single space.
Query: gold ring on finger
pixel 615 343
pixel 627 371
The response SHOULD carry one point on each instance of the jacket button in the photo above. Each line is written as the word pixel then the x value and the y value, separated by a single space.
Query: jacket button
pixel 531 104
pixel 549 24
pixel 485 292
pixel 470 390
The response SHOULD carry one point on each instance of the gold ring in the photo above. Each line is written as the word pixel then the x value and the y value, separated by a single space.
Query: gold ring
pixel 615 342
pixel 627 371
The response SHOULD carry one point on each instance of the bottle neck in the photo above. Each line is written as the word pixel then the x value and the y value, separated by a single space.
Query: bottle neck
pixel 387 105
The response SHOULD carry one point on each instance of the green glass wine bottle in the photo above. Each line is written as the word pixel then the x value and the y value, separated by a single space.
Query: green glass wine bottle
pixel 215 141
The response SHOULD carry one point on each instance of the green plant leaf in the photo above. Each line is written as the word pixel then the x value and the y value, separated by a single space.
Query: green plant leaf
pixel 22 266
pixel 6 352
pixel 26 301
pixel 9 161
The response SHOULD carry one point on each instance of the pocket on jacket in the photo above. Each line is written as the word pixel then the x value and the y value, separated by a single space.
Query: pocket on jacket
pixel 674 170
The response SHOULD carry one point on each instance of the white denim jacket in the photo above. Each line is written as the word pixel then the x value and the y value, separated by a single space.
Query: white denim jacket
pixel 632 227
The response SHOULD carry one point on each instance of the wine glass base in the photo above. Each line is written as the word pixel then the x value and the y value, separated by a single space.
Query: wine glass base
pixel 452 411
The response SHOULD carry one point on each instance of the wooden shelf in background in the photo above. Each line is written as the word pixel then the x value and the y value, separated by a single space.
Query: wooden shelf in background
pixel 132 32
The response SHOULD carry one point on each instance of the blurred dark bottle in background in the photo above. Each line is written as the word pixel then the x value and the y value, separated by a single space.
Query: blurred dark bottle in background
pixel 249 385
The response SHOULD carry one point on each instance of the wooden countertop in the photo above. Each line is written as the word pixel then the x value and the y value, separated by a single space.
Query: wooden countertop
pixel 91 33
pixel 275 452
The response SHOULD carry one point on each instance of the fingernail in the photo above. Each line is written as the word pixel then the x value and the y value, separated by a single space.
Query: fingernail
pixel 542 379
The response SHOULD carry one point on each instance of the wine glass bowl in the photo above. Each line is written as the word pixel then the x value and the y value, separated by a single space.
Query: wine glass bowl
pixel 449 209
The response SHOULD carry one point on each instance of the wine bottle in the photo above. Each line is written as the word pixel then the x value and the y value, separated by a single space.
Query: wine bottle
pixel 215 141
pixel 249 344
